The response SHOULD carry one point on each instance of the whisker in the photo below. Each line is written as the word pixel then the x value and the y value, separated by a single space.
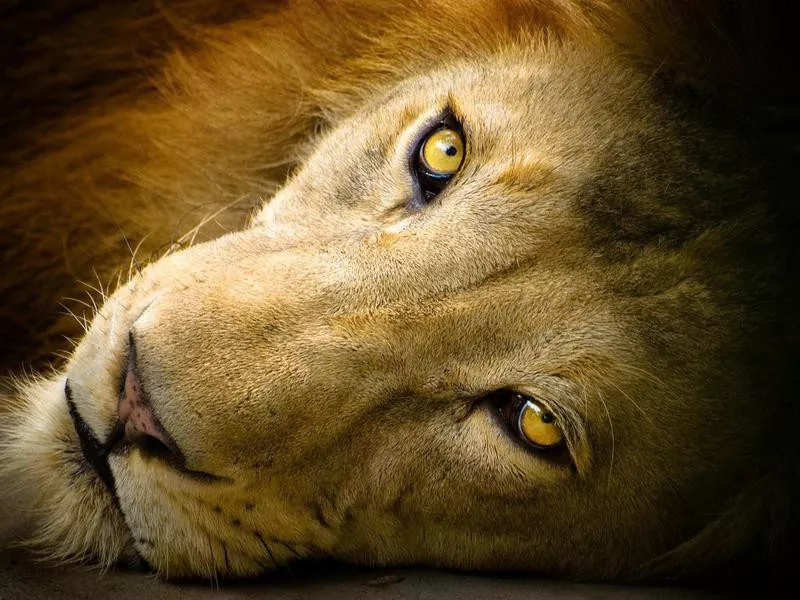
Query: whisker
pixel 65 356
pixel 611 427
pixel 82 321
pixel 93 289
pixel 291 549
pixel 103 293
pixel 213 568
pixel 631 400
pixel 134 264
pixel 71 341
pixel 78 301
pixel 192 233
pixel 651 376
pixel 585 397
pixel 227 560
pixel 126 240
pixel 266 547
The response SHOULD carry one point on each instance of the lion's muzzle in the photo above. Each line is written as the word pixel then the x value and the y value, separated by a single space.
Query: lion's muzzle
pixel 137 417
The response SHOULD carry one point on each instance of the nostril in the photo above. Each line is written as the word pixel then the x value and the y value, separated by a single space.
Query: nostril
pixel 140 423
pixel 153 446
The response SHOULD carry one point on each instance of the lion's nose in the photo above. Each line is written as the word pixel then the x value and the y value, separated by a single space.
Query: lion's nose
pixel 140 422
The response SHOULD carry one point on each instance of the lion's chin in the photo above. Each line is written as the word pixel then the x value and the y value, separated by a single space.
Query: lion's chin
pixel 55 496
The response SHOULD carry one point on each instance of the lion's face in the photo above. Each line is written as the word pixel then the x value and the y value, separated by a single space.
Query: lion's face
pixel 343 377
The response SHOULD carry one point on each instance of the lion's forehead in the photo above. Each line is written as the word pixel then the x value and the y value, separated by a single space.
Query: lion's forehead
pixel 523 135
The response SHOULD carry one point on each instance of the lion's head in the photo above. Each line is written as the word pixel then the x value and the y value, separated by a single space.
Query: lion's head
pixel 512 311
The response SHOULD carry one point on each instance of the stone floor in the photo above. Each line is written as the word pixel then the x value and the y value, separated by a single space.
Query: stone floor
pixel 22 578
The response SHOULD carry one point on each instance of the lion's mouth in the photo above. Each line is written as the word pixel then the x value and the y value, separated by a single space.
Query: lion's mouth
pixel 95 453
pixel 137 426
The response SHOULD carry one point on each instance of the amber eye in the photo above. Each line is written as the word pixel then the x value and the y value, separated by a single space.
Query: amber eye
pixel 442 152
pixel 532 422
pixel 438 158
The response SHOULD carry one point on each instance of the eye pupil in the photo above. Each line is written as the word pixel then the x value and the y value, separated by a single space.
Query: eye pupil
pixel 451 151
pixel 548 417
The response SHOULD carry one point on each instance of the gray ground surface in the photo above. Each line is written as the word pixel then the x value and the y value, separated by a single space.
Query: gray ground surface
pixel 24 579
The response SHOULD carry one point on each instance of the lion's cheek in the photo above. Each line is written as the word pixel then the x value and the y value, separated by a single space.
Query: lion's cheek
pixel 188 528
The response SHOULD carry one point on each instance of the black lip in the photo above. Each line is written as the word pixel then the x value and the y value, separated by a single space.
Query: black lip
pixel 95 452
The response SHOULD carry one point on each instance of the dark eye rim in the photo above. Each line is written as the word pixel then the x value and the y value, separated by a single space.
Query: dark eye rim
pixel 428 185
pixel 508 404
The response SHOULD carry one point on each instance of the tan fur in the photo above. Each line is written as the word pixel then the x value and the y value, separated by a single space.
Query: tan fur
pixel 612 246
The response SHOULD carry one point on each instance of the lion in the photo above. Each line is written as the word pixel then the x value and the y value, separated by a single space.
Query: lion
pixel 486 285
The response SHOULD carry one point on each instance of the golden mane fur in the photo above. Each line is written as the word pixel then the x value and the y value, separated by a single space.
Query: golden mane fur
pixel 618 245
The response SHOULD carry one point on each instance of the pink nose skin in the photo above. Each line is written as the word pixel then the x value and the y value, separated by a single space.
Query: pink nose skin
pixel 136 413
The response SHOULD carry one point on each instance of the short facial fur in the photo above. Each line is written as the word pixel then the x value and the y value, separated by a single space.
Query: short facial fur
pixel 325 370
